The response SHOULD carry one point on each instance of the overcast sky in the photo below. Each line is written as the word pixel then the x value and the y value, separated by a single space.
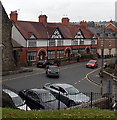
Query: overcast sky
pixel 76 10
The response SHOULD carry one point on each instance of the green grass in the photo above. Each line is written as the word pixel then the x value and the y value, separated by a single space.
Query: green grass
pixel 71 113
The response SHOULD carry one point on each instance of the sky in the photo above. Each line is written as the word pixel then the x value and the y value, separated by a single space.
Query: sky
pixel 75 10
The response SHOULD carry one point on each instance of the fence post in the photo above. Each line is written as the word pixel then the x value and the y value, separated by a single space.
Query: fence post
pixel 91 99
pixel 59 101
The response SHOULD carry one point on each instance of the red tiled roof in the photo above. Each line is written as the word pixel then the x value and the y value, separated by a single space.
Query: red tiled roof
pixel 45 31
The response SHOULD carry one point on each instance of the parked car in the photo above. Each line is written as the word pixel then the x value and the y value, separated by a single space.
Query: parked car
pixel 17 100
pixel 92 64
pixel 67 94
pixel 41 99
pixel 44 63
pixel 52 71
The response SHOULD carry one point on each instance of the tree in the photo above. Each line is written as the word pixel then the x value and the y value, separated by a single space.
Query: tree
pixel 91 24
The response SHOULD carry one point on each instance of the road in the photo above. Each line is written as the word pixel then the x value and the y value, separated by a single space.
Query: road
pixel 73 74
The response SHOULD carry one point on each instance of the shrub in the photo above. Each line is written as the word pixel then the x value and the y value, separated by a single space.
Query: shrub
pixel 112 65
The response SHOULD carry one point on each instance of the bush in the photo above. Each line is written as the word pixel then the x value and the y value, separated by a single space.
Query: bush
pixel 57 61
pixel 112 65
pixel 86 56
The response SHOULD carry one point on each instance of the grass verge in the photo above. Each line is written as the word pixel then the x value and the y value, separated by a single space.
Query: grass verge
pixel 59 114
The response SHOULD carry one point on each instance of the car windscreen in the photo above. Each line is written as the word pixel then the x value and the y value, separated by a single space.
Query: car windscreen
pixel 47 97
pixel 91 62
pixel 72 90
pixel 17 101
pixel 54 68
pixel 41 61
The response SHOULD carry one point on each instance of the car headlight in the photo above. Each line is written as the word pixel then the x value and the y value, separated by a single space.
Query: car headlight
pixel 49 70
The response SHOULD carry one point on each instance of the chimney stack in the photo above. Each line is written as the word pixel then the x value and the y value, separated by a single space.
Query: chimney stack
pixel 43 19
pixel 14 16
pixel 65 21
pixel 84 23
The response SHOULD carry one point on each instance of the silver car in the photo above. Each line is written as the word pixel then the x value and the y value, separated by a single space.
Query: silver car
pixel 67 94
pixel 17 100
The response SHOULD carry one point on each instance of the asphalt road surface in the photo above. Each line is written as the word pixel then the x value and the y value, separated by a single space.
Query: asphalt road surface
pixel 73 74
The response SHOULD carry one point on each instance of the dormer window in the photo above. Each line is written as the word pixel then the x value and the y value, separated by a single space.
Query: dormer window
pixel 56 34
pixel 79 35
pixel 56 39
pixel 31 35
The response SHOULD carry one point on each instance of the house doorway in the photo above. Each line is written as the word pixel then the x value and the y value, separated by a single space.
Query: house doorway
pixel 68 53
pixel 87 50
pixel 42 55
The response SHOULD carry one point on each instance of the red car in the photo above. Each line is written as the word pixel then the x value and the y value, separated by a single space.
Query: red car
pixel 92 64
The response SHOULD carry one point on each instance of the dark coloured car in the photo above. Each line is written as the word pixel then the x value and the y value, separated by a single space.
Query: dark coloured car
pixel 67 94
pixel 44 63
pixel 52 71
pixel 41 99
pixel 92 64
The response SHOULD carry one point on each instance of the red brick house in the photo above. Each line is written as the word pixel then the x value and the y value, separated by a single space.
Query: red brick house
pixel 107 40
pixel 44 40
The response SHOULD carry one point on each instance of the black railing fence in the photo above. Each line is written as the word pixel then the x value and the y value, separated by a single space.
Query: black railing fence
pixel 79 100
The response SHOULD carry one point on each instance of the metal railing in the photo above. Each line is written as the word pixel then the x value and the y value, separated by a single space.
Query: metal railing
pixel 96 100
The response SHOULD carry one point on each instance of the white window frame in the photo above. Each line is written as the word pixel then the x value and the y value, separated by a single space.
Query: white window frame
pixel 51 54
pixel 31 55
pixel 32 43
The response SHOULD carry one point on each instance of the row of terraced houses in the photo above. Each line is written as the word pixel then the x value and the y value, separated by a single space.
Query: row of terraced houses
pixel 43 40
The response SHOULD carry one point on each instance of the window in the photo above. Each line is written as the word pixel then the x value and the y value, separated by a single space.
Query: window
pixel 59 42
pixel 31 55
pixel 109 43
pixel 75 42
pixel 31 43
pixel 60 53
pixel 102 43
pixel 81 42
pixel 51 54
pixel 52 42
pixel 32 95
pixel 75 51
pixel 54 87
pixel 92 42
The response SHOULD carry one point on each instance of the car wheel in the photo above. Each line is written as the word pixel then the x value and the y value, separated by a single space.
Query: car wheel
pixel 71 103
pixel 37 65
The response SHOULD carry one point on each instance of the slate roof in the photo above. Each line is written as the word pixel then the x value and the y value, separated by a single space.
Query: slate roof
pixel 99 32
pixel 41 31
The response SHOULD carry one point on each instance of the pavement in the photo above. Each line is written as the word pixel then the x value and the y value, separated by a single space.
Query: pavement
pixel 18 70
